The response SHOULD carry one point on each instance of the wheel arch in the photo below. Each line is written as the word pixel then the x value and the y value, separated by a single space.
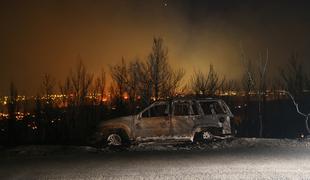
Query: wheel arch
pixel 106 130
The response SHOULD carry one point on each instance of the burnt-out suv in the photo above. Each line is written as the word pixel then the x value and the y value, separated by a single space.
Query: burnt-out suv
pixel 178 119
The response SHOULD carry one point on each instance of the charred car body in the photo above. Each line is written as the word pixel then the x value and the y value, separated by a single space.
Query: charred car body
pixel 178 119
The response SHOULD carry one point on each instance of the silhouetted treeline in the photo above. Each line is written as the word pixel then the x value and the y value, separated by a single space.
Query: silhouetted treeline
pixel 261 103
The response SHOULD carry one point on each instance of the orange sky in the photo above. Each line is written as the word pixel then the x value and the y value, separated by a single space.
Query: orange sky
pixel 46 37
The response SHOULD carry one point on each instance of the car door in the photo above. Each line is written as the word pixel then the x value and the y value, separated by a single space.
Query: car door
pixel 182 118
pixel 154 121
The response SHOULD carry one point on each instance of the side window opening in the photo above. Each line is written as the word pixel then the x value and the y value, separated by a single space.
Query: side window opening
pixel 158 110
pixel 212 106
pixel 195 109
pixel 206 108
pixel 218 108
pixel 181 108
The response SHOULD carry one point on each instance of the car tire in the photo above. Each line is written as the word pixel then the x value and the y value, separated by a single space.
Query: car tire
pixel 203 137
pixel 117 139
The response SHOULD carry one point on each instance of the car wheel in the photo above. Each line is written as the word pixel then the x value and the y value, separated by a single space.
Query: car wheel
pixel 207 136
pixel 117 138
pixel 203 136
pixel 114 140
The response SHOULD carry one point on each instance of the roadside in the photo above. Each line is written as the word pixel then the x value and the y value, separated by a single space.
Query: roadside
pixel 237 143
pixel 238 159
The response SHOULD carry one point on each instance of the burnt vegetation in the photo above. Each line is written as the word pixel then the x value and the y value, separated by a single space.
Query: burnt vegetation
pixel 68 111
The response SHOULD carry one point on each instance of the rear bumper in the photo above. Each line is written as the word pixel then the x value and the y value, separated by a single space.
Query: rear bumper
pixel 219 133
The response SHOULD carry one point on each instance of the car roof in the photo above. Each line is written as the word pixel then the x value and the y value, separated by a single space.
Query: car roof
pixel 188 99
pixel 194 98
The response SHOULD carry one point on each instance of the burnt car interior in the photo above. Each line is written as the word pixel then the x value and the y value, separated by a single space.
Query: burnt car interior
pixel 211 107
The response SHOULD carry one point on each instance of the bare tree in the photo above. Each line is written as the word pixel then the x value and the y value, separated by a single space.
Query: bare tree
pixel 199 83
pixel 206 85
pixel 79 121
pixel 158 65
pixel 214 82
pixel 133 83
pixel 66 89
pixel 146 80
pixel 262 89
pixel 294 81
pixel 248 84
pixel 119 75
pixel 256 77
pixel 305 115
pixel 293 76
pixel 112 94
pixel 99 87
pixel 145 85
pixel 48 84
pixel 248 81
pixel 81 81
pixel 172 83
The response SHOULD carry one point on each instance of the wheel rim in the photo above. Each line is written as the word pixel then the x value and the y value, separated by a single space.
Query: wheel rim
pixel 206 135
pixel 114 140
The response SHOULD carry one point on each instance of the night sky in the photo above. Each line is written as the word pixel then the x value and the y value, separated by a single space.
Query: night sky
pixel 38 37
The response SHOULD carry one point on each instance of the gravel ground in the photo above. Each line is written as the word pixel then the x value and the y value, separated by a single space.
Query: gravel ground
pixel 237 159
